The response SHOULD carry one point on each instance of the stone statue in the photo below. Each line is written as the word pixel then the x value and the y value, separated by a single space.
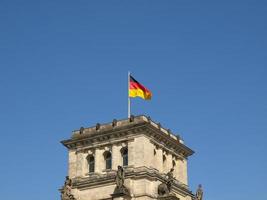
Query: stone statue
pixel 66 192
pixel 165 188
pixel 170 179
pixel 199 193
pixel 120 177
pixel 120 188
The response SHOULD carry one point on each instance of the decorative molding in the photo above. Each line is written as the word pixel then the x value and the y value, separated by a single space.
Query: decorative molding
pixel 124 144
pixel 91 152
pixel 95 180
pixel 130 131
pixel 108 148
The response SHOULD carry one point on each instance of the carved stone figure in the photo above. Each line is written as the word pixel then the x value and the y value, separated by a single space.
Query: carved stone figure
pixel 120 188
pixel 165 188
pixel 199 193
pixel 120 177
pixel 170 179
pixel 66 192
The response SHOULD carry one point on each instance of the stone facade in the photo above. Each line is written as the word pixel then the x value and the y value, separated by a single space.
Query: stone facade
pixel 146 151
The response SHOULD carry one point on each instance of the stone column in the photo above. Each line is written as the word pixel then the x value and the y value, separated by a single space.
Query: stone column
pixel 182 170
pixel 148 153
pixel 79 169
pixel 138 152
pixel 168 162
pixel 165 162
pixel 85 167
pixel 159 160
pixel 176 169
pixel 99 161
pixel 131 153
pixel 185 172
pixel 72 164
pixel 116 156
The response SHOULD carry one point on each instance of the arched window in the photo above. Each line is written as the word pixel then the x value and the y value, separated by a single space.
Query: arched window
pixel 124 154
pixel 91 163
pixel 108 159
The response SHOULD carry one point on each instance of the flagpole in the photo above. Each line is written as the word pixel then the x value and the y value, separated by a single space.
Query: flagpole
pixel 129 101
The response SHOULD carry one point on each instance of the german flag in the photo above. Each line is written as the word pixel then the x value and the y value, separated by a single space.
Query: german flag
pixel 136 89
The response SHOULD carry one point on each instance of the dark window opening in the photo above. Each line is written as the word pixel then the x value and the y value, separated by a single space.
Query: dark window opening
pixel 107 156
pixel 91 163
pixel 124 154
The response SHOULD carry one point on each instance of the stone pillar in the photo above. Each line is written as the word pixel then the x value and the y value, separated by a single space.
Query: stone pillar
pixel 159 159
pixel 138 152
pixel 79 168
pixel 85 167
pixel 148 153
pixel 99 161
pixel 179 167
pixel 185 172
pixel 72 164
pixel 182 170
pixel 131 153
pixel 116 156
pixel 176 169
pixel 165 162
pixel 168 162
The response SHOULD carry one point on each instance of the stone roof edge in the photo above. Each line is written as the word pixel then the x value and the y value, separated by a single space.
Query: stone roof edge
pixel 124 121
pixel 124 124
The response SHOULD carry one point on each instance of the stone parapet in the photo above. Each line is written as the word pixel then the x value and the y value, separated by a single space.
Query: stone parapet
pixel 107 133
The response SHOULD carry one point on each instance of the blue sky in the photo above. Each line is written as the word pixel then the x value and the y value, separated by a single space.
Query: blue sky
pixel 64 64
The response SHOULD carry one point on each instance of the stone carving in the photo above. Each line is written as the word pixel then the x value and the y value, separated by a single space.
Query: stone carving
pixel 165 188
pixel 81 130
pixel 120 176
pixel 114 123
pixel 97 126
pixel 66 192
pixel 170 179
pixel 199 193
pixel 131 119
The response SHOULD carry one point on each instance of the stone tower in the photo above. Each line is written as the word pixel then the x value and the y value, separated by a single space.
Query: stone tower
pixel 153 162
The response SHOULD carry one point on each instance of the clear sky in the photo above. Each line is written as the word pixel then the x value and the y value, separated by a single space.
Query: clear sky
pixel 64 64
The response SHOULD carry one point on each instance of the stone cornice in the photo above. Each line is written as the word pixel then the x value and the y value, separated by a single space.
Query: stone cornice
pixel 165 141
pixel 97 180
pixel 121 133
pixel 125 130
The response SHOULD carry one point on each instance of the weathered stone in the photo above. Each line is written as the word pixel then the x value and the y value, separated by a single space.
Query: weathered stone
pixel 147 175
